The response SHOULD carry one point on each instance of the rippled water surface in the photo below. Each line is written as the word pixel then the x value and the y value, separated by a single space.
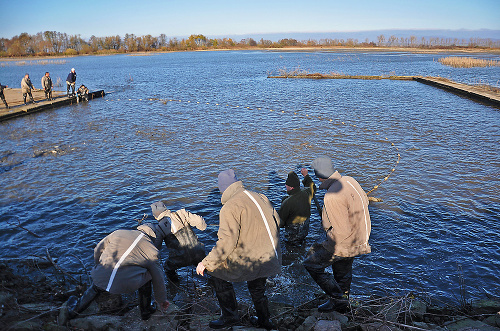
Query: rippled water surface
pixel 171 122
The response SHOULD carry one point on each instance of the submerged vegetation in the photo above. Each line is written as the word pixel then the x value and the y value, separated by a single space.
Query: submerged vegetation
pixel 50 43
pixel 301 73
pixel 467 62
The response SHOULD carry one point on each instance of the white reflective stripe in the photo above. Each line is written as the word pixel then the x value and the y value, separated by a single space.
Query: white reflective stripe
pixel 127 252
pixel 265 222
pixel 364 211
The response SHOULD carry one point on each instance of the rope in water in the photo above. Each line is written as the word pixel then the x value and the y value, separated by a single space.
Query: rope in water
pixel 393 169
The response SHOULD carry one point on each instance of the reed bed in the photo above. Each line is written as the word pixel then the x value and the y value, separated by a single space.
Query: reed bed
pixel 31 63
pixel 300 73
pixel 467 62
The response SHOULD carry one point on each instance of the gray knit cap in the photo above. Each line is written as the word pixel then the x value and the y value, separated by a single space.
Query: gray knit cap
pixel 323 167
pixel 226 178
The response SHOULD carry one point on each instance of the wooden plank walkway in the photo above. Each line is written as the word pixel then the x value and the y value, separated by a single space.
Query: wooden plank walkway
pixel 472 92
pixel 18 108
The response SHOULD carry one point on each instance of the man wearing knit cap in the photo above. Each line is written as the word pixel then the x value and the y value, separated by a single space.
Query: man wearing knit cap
pixel 346 220
pixel 184 248
pixel 126 261
pixel 247 249
pixel 295 209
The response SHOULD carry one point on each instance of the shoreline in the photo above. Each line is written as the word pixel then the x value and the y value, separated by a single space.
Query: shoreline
pixel 415 50
pixel 34 290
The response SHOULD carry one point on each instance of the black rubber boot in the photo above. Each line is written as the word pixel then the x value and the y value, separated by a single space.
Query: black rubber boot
pixel 74 306
pixel 340 305
pixel 147 309
pixel 262 320
pixel 224 292
pixel 257 289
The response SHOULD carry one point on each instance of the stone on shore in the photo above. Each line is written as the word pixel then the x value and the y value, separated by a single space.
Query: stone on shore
pixel 325 325
pixel 469 324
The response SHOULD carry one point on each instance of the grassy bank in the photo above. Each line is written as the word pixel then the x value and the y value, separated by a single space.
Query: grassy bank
pixel 437 50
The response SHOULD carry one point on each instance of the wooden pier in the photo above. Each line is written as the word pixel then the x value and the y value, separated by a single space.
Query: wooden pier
pixel 469 91
pixel 18 108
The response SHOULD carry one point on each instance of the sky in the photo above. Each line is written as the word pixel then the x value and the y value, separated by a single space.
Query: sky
pixel 219 18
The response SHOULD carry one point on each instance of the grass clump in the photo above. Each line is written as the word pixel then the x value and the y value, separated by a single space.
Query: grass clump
pixel 467 62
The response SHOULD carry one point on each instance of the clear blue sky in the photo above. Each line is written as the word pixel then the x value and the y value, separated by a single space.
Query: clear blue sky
pixel 180 18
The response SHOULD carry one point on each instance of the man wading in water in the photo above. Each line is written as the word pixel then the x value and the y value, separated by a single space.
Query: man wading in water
pixel 346 221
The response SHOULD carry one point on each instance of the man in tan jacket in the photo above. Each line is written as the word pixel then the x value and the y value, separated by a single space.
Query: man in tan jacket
pixel 26 87
pixel 247 249
pixel 346 220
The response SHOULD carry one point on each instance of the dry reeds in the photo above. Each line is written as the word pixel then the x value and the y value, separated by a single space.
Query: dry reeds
pixel 467 62
pixel 301 73
pixel 31 62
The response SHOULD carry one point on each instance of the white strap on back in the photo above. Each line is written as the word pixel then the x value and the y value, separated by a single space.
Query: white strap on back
pixel 265 222
pixel 127 252
pixel 364 211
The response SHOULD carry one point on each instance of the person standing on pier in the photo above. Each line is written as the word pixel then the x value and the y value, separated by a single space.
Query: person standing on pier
pixel 247 250
pixel 47 86
pixel 26 87
pixel 295 209
pixel 70 82
pixel 3 96
pixel 346 221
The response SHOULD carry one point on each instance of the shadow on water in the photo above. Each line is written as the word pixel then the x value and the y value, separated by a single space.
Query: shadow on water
pixel 7 163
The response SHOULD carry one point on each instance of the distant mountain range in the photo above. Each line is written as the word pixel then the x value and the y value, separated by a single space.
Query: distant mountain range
pixel 371 35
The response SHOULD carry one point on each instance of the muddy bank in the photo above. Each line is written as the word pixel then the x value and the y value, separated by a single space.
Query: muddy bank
pixel 34 290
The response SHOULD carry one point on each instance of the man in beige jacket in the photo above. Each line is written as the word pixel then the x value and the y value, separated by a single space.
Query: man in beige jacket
pixel 346 220
pixel 26 87
pixel 247 249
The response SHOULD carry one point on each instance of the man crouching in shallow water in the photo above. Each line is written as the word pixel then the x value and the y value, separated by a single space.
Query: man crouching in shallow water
pixel 126 261
pixel 346 221
pixel 247 249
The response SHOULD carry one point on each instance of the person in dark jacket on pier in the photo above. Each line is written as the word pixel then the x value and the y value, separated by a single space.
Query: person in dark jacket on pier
pixel 247 250
pixel 83 93
pixel 70 82
pixel 346 221
pixel 126 261
pixel 26 87
pixel 47 86
pixel 3 96
pixel 295 209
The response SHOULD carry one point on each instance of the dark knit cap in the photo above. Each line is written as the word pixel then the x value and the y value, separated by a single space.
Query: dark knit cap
pixel 323 167
pixel 292 180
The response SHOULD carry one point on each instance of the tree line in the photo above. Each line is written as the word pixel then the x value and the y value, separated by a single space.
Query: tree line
pixel 58 43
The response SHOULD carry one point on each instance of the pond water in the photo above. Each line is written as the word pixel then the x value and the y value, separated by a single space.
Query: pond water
pixel 171 122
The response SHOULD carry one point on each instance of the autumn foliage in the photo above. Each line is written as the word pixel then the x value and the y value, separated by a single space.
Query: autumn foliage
pixel 57 43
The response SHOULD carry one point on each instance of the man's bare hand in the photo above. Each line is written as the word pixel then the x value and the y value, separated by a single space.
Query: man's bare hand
pixel 164 306
pixel 200 269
